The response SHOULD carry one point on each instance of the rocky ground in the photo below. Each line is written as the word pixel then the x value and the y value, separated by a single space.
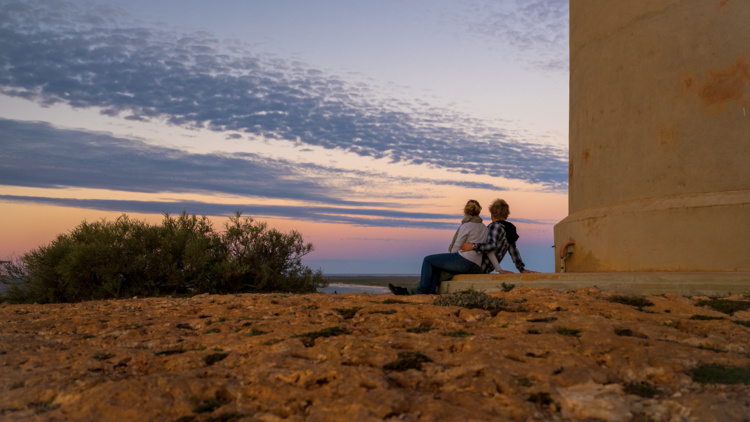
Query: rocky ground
pixel 560 356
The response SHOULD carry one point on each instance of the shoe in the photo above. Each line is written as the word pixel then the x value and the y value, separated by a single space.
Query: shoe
pixel 398 291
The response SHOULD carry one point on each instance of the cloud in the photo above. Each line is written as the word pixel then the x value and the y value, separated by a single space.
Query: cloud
pixel 530 28
pixel 59 53
pixel 367 217
pixel 37 154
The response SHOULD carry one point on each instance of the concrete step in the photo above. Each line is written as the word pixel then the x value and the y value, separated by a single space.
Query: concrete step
pixel 632 283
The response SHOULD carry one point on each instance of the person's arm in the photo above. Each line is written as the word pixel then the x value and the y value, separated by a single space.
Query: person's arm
pixel 455 235
pixel 493 259
pixel 495 239
pixel 515 255
pixel 461 236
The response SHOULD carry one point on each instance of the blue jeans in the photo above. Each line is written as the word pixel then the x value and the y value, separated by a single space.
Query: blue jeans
pixel 450 262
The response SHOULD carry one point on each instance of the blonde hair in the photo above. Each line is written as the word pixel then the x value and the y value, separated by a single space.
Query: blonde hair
pixel 472 208
pixel 500 209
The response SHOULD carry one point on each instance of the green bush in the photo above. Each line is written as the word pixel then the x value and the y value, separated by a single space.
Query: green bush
pixel 182 255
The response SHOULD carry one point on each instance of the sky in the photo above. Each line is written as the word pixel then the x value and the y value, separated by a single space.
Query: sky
pixel 364 125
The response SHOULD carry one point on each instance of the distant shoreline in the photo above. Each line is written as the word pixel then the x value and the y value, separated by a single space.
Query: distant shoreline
pixel 373 280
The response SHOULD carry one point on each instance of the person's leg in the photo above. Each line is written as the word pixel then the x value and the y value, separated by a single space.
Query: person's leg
pixel 412 289
pixel 450 262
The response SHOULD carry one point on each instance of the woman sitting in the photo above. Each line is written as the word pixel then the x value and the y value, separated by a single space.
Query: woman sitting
pixel 456 262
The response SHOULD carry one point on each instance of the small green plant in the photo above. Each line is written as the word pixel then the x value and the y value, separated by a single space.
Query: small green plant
pixel 568 332
pixel 308 339
pixel 103 356
pixel 473 299
pixel 272 342
pixel 406 361
pixel 523 382
pixel 714 373
pixel 214 357
pixel 204 316
pixel 672 324
pixel 541 399
pixel 222 319
pixel 521 300
pixel 644 310
pixel 212 331
pixel 247 324
pixel 705 317
pixel 348 313
pixel 274 302
pixel 88 336
pixel 547 319
pixel 726 306
pixel 533 331
pixel 637 301
pixel 507 286
pixel 457 333
pixel 419 330
pixel 311 307
pixel 742 323
pixel 395 302
pixel 386 312
pixel 140 346
pixel 641 390
pixel 625 332
pixel 255 332
pixel 169 352
pixel 185 327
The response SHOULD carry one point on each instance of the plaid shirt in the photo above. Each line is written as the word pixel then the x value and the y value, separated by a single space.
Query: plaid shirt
pixel 497 243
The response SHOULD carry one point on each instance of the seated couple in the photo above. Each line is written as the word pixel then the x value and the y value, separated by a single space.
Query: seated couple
pixel 475 249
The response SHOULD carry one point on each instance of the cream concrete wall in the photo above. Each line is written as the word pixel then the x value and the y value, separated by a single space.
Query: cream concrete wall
pixel 659 136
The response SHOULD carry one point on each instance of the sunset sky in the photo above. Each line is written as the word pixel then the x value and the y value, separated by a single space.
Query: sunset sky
pixel 365 125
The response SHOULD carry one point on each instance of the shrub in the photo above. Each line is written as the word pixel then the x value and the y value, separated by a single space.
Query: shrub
pixel 458 333
pixel 705 317
pixel 308 339
pixel 507 287
pixel 714 373
pixel 641 390
pixel 725 305
pixel 473 299
pixel 182 255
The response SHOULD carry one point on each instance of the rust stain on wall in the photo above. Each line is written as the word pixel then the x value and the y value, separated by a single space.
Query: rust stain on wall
pixel 570 171
pixel 726 85
pixel 721 4
pixel 586 154
pixel 666 136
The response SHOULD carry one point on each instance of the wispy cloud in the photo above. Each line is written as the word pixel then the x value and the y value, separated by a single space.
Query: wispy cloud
pixel 529 28
pixel 368 217
pixel 37 154
pixel 57 52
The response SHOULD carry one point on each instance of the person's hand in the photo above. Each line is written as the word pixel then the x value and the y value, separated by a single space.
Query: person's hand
pixel 529 272
pixel 467 246
pixel 505 272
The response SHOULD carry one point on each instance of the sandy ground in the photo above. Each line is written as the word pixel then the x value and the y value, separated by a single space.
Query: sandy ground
pixel 362 357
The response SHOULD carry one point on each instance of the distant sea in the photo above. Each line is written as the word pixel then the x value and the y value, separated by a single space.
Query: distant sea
pixel 367 283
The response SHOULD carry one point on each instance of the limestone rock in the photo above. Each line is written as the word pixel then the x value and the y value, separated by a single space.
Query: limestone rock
pixel 318 357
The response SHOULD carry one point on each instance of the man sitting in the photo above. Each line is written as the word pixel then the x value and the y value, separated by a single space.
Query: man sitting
pixel 501 239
